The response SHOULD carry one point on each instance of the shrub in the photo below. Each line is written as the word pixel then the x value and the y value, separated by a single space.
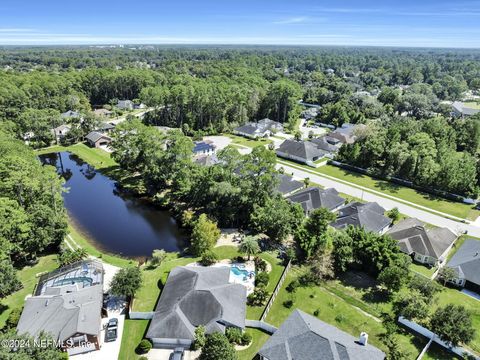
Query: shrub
pixel 246 338
pixel 234 335
pixel 260 264
pixel 200 338
pixel 13 318
pixel 316 312
pixel 208 258
pixel 144 346
pixel 262 279
pixel 340 318
pixel 239 259
pixel 292 287
pixel 288 303
pixel 258 297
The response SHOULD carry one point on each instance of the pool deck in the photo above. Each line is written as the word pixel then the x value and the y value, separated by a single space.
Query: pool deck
pixel 247 265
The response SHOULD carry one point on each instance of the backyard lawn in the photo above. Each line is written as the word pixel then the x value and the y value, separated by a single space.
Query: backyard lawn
pixel 454 208
pixel 239 140
pixel 136 330
pixel 423 270
pixel 258 339
pixel 29 280
pixel 472 104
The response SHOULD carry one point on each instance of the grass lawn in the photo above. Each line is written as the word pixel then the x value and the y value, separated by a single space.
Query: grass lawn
pixel 258 339
pixel 423 270
pixel 29 280
pixel 255 312
pixel 472 104
pixel 239 140
pixel 454 208
pixel 133 332
pixel 338 312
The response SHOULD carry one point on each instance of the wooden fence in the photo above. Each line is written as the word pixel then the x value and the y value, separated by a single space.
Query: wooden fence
pixel 275 292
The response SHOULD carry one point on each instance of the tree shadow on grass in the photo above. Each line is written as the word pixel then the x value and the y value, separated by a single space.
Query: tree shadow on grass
pixel 3 308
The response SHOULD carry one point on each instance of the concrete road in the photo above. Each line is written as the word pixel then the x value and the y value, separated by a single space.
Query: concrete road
pixel 425 216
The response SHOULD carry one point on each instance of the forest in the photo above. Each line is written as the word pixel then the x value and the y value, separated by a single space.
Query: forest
pixel 402 95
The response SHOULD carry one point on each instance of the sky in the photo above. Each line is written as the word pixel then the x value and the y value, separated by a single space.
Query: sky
pixel 408 23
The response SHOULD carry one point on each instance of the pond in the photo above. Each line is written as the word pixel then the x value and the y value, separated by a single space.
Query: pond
pixel 113 221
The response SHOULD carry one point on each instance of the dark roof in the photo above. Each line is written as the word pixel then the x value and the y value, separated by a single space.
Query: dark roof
pixel 287 185
pixel 327 143
pixel 63 314
pixel 414 238
pixel 201 146
pixel 69 114
pixel 369 216
pixel 250 129
pixel 302 149
pixel 105 126
pixel 466 261
pixel 94 136
pixel 196 296
pixel 313 198
pixel 206 160
pixel 304 337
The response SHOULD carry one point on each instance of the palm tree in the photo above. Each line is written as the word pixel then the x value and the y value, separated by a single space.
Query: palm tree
pixel 249 246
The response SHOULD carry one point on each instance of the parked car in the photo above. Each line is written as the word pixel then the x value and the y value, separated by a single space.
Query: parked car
pixel 111 331
pixel 177 354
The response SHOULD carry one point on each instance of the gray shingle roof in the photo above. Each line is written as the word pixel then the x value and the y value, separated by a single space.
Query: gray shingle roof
pixel 327 143
pixel 463 109
pixel 466 261
pixel 196 296
pixel 302 149
pixel 414 238
pixel 287 185
pixel 94 136
pixel 249 129
pixel 369 216
pixel 105 127
pixel 63 315
pixel 313 198
pixel 70 114
pixel 304 337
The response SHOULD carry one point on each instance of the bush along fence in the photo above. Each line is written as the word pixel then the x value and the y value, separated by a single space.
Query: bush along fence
pixel 410 184
pixel 433 337
pixel 275 292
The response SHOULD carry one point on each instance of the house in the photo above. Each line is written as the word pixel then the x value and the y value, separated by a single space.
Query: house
pixel 309 113
pixel 61 131
pixel 105 127
pixel 203 147
pixel 139 106
pixel 314 198
pixel 304 152
pixel 328 144
pixel 70 114
pixel 68 306
pixel 259 129
pixel 194 296
pixel 287 185
pixel 369 216
pixel 304 337
pixel 206 160
pixel 459 109
pixel 102 112
pixel 125 104
pixel 426 246
pixel 347 133
pixel 466 263
pixel 96 139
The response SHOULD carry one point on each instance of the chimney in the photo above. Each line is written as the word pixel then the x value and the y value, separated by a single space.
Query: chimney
pixel 363 340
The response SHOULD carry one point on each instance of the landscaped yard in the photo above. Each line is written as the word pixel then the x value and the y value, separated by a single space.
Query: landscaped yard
pixel 423 270
pixel 27 276
pixel 454 208
pixel 472 104
pixel 136 330
pixel 239 140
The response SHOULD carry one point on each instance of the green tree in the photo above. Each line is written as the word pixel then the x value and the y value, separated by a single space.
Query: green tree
pixel 277 218
pixel 199 337
pixel 126 282
pixel 249 246
pixel 453 324
pixel 446 274
pixel 8 279
pixel 393 278
pixel 204 235
pixel 217 347
pixel 412 305
pixel 394 214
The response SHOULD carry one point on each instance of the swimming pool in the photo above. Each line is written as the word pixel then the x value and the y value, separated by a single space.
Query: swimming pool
pixel 241 274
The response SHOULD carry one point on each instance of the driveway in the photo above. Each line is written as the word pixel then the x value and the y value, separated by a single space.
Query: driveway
pixel 385 202
pixel 164 354
pixel 221 142
pixel 305 130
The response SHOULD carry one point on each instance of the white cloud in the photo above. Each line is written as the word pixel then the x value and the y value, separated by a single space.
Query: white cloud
pixel 293 20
